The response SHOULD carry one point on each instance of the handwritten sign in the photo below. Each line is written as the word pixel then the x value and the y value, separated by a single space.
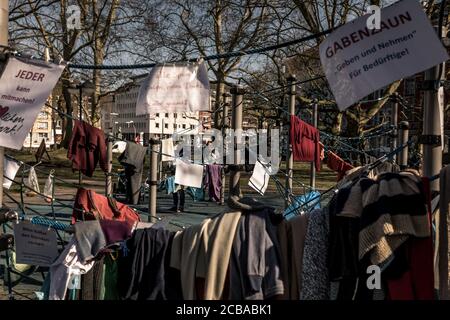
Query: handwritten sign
pixel 358 61
pixel 174 88
pixel 35 244
pixel 24 87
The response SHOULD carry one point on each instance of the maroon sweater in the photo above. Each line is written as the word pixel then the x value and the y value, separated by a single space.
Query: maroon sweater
pixel 305 142
pixel 87 147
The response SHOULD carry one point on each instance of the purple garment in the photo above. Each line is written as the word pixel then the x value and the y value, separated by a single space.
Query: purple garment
pixel 213 181
pixel 116 231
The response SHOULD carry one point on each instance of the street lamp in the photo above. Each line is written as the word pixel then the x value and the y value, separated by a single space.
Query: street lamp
pixel 113 114
pixel 88 88
pixel 132 122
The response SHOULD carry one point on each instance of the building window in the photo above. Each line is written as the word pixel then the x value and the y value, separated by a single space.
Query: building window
pixel 166 125
pixel 157 125
pixel 43 136
pixel 166 115
pixel 184 126
pixel 192 126
pixel 157 115
pixel 43 115
pixel 42 125
pixel 174 125
pixel 58 124
pixel 175 115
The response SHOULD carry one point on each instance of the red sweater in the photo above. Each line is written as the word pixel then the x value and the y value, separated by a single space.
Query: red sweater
pixel 305 140
pixel 335 163
pixel 90 205
pixel 87 147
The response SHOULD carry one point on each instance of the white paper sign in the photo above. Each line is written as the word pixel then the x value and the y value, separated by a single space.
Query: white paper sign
pixel 259 179
pixel 358 61
pixel 35 244
pixel 10 168
pixel 24 87
pixel 441 103
pixel 174 88
pixel 188 174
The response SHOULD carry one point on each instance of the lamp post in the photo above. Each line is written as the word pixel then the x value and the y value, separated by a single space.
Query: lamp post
pixel 134 127
pixel 113 114
pixel 88 88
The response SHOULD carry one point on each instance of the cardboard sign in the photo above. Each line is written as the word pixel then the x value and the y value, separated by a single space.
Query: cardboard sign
pixel 174 88
pixel 187 174
pixel 35 244
pixel 25 85
pixel 358 61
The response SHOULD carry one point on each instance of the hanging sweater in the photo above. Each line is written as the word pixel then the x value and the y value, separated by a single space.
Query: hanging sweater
pixel 336 163
pixel 214 253
pixel 213 181
pixel 133 161
pixel 315 282
pixel 305 140
pixel 87 148
pixel 255 264
pixel 143 272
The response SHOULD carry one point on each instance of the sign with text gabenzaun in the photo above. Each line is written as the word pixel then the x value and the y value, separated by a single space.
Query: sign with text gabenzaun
pixel 358 61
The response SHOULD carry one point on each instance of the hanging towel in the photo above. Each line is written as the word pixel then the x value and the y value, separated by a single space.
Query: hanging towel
pixel 312 199
pixel 167 150
pixel 10 169
pixel 133 161
pixel 48 188
pixel 32 182
pixel 305 140
pixel 87 148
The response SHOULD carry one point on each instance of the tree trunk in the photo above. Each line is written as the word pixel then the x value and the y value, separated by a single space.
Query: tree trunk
pixel 220 88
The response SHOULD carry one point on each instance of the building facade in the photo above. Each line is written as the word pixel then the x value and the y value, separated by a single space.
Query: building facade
pixel 42 129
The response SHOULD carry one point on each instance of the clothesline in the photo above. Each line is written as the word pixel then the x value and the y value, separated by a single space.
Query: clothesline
pixel 232 54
